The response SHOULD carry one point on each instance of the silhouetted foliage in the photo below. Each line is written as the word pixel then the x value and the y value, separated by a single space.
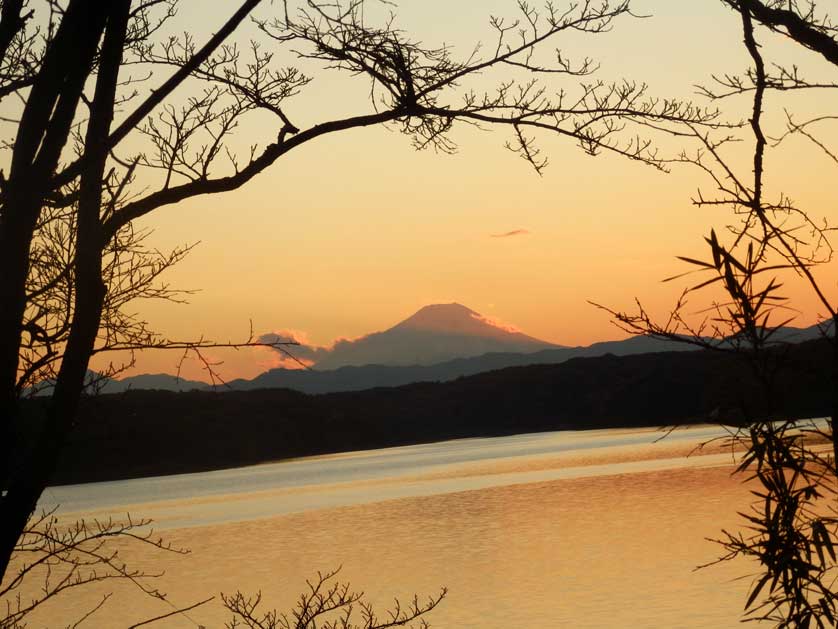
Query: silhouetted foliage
pixel 54 559
pixel 791 528
pixel 329 604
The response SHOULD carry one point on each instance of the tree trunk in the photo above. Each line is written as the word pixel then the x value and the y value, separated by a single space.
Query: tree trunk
pixel 42 135
pixel 11 22
pixel 834 414
pixel 25 485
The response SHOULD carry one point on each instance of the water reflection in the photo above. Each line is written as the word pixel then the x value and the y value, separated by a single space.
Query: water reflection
pixel 248 493
pixel 605 534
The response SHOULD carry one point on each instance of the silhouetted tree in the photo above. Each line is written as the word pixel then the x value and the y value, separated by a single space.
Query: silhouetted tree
pixel 69 256
pixel 791 529
pixel 55 558
pixel 329 604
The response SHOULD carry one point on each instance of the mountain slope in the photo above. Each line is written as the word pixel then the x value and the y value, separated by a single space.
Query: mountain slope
pixel 435 334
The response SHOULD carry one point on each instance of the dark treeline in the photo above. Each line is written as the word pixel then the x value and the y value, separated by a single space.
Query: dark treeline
pixel 143 433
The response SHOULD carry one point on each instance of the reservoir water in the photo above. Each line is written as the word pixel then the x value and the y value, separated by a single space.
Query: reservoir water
pixel 565 529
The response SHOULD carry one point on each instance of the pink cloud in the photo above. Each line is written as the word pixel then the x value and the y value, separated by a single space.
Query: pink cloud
pixel 497 323
pixel 301 354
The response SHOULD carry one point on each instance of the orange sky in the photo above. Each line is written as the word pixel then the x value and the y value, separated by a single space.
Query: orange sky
pixel 356 231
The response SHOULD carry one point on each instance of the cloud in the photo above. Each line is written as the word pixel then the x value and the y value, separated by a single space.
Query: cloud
pixel 291 356
pixel 497 323
pixel 514 232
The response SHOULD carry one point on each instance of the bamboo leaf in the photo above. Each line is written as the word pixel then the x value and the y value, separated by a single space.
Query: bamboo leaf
pixel 707 283
pixel 755 592
pixel 695 262
pixel 714 247
pixel 827 610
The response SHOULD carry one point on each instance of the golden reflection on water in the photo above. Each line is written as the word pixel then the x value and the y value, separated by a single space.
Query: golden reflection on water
pixel 606 551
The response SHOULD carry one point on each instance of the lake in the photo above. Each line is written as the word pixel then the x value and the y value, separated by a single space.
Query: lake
pixel 563 529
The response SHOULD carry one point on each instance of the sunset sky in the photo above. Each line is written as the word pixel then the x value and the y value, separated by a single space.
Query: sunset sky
pixel 355 231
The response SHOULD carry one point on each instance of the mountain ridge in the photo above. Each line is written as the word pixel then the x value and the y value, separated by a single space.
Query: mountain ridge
pixel 444 321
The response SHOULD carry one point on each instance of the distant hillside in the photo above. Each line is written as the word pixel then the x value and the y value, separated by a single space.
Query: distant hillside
pixel 353 378
pixel 142 433
pixel 161 381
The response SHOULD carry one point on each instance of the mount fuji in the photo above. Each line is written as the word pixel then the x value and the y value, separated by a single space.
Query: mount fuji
pixel 434 334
